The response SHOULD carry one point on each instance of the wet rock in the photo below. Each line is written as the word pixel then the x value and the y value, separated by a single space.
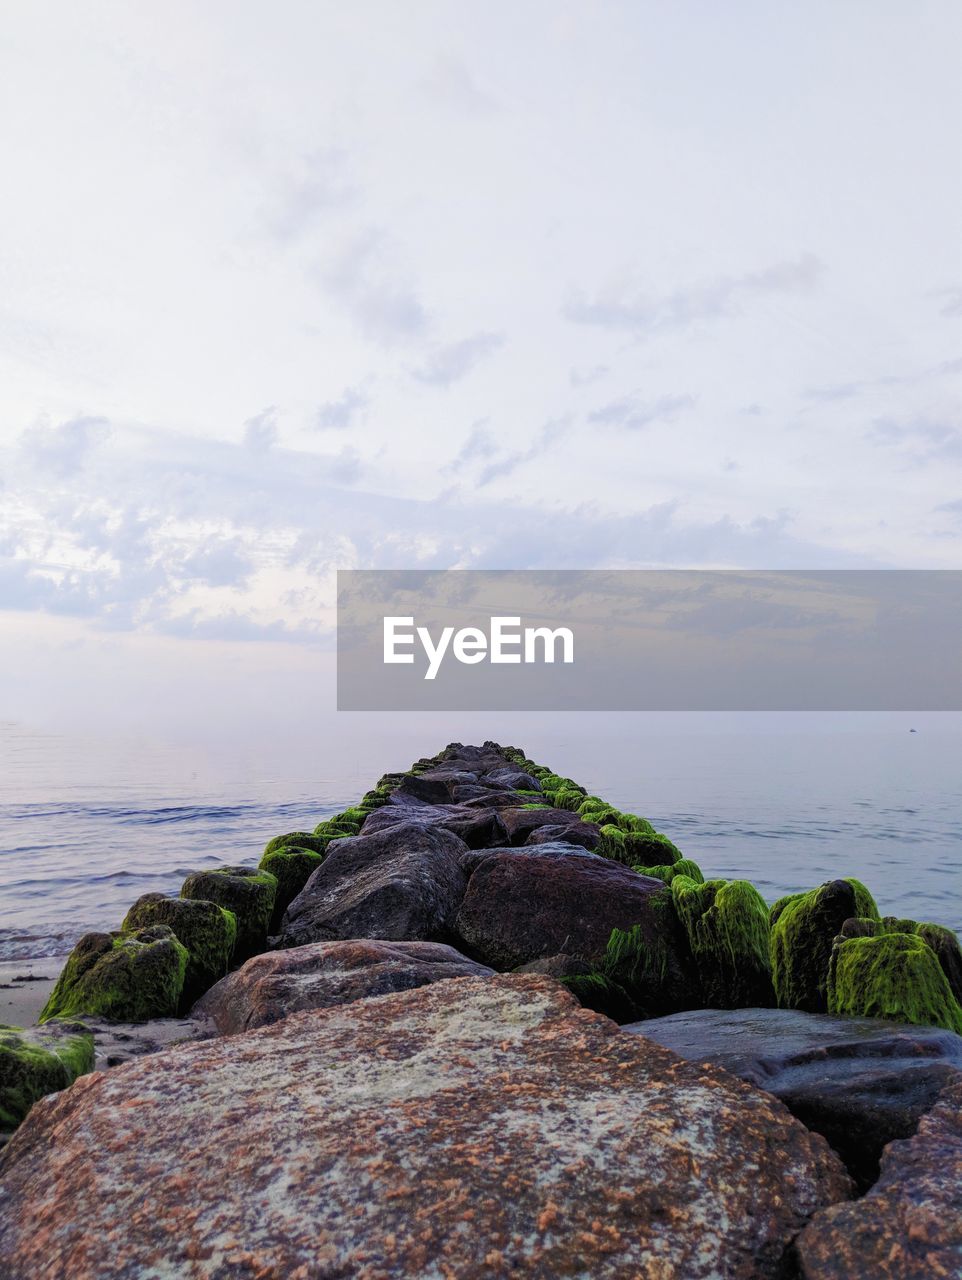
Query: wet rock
pixel 248 893
pixel 726 922
pixel 124 977
pixel 478 1127
pixel 323 974
pixel 895 975
pixel 522 904
pixel 291 867
pixel 859 1082
pixel 521 822
pixel 404 883
pixel 584 834
pixel 205 929
pixel 35 1061
pixel 909 1226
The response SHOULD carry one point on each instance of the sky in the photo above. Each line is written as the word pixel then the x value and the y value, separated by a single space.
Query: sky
pixel 296 287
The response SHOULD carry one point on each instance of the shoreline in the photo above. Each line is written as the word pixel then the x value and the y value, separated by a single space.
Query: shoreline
pixel 25 986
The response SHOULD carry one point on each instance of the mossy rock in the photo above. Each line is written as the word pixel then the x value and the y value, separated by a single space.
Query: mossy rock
pixel 300 840
pixel 726 922
pixel 566 798
pixel 292 868
pixel 943 942
pixel 591 804
pixel 646 968
pixel 249 893
pixel 334 826
pixel 804 927
pixel 895 976
pixel 124 977
pixel 35 1061
pixel 636 848
pixel 374 799
pixel 207 930
pixel 667 871
pixel 599 993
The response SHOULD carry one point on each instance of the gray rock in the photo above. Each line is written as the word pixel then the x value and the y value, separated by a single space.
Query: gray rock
pixel 404 883
pixel 858 1081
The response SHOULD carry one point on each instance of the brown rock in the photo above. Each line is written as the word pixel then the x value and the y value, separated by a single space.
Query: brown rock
pixel 473 1128
pixel 525 903
pixel 909 1226
pixel 324 974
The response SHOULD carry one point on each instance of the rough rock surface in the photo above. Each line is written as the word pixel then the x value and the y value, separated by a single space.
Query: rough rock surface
pixel 322 974
pixel 524 904
pixel 909 1226
pixel 858 1081
pixel 402 883
pixel 473 1128
pixel 247 892
pixel 35 1061
pixel 476 827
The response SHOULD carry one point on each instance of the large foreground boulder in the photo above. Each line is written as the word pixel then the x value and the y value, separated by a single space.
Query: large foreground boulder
pixel 322 974
pixel 403 883
pixel 35 1061
pixel 909 1226
pixel 479 1127
pixel 524 904
pixel 858 1081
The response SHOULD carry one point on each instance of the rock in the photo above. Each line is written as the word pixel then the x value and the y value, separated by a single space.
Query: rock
pixel 804 926
pixel 476 827
pixel 291 867
pixel 669 870
pixel 35 1061
pixel 520 823
pixel 727 927
pixel 323 974
pixel 897 976
pixel 943 942
pixel 478 1127
pixel 205 929
pixel 521 905
pixel 404 883
pixel 584 834
pixel 433 787
pixel 859 1082
pixel 511 779
pixel 124 977
pixel 909 1225
pixel 297 840
pixel 249 893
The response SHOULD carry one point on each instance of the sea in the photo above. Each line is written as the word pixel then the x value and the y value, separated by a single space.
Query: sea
pixel 89 823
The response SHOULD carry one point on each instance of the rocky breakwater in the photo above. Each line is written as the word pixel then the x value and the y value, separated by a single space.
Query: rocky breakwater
pixel 474 863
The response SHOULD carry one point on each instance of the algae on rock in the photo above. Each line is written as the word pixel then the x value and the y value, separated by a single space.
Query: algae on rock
pixel 124 977
pixel 804 927
pixel 207 930
pixel 35 1061
pixel 895 976
pixel 727 926
pixel 248 893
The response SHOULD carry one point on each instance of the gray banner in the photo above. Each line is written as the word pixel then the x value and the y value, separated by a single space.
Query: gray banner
pixel 649 640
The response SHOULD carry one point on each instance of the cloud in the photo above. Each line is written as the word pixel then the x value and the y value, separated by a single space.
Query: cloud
pixel 386 309
pixel 451 363
pixel 621 309
pixel 919 438
pixel 635 414
pixel 584 377
pixel 479 444
pixel 849 390
pixel 219 562
pixel 321 186
pixel 547 438
pixel 260 432
pixel 338 414
pixel 62 450
pixel 952 306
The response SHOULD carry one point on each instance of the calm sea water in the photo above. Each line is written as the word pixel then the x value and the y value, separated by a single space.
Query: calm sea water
pixel 86 826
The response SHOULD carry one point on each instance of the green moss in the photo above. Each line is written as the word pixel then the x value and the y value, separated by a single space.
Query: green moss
pixel 207 930
pixel 804 929
pixel 535 806
pixel 248 893
pixel 896 976
pixel 942 941
pixel 668 871
pixel 125 977
pixel 591 804
pixel 315 840
pixel 726 922
pixel 35 1061
pixel 292 869
pixel 641 961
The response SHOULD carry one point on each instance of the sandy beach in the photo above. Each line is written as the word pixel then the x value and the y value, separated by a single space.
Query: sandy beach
pixel 24 988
